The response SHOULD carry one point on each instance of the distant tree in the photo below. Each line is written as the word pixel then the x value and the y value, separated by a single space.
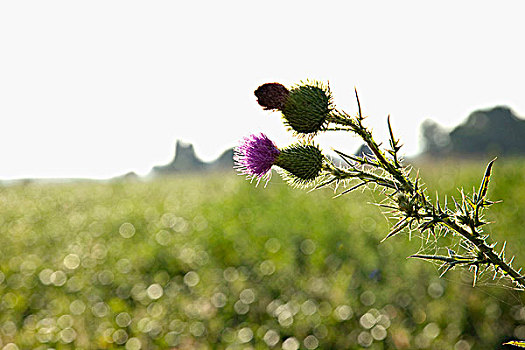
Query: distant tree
pixel 436 140
pixel 185 160
pixel 225 161
pixel 496 131
pixel 364 151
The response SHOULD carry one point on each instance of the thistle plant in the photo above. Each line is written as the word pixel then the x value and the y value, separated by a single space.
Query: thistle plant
pixel 307 110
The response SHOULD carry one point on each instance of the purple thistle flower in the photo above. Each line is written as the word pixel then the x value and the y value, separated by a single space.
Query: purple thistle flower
pixel 255 156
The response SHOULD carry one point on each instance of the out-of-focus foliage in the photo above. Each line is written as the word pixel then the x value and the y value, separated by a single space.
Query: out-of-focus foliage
pixel 212 262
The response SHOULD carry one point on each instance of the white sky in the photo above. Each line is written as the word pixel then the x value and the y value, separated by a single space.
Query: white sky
pixel 101 88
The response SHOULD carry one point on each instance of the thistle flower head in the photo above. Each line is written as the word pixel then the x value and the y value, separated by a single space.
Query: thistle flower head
pixel 307 108
pixel 272 95
pixel 255 156
pixel 301 163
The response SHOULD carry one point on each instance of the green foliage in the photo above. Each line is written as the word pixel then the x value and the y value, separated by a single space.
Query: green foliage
pixel 211 262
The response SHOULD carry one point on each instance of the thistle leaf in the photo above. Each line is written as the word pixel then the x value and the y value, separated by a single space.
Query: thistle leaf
pixel 485 182
pixel 518 343
pixel 397 228
pixel 433 257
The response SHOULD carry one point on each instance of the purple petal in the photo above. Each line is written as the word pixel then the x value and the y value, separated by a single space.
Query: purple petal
pixel 256 155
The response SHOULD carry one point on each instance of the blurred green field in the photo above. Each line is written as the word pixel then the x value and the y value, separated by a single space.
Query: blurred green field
pixel 212 262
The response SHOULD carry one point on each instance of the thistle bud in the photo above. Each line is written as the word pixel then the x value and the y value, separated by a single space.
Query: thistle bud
pixel 307 108
pixel 302 163
pixel 272 96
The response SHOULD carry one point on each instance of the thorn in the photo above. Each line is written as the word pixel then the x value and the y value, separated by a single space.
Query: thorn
pixel 397 227
pixel 358 103
pixel 502 253
pixel 351 189
pixel 475 276
pixel 326 183
pixel 446 270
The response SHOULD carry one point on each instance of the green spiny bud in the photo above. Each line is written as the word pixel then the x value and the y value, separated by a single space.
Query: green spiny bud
pixel 307 108
pixel 302 163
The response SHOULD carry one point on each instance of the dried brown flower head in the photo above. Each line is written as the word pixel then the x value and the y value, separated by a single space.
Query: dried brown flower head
pixel 272 95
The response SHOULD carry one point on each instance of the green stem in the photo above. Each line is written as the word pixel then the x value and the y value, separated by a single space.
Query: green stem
pixel 488 252
pixel 366 136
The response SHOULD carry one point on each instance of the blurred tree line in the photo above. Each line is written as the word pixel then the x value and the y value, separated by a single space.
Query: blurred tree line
pixel 185 160
pixel 497 131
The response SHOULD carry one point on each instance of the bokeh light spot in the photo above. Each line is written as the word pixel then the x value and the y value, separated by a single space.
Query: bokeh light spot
pixel 68 335
pixel 343 312
pixel 71 261
pixel 271 337
pixel 77 307
pixel 272 245
pixel 123 319
pixel 155 291
pixel 308 247
pixel 378 332
pixel 311 342
pixel 365 339
pixel 247 296
pixel 120 336
pixel 133 344
pixel 291 344
pixel 191 279
pixel 127 230
pixel 245 335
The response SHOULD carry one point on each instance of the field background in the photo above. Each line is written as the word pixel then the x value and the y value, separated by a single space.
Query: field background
pixel 202 262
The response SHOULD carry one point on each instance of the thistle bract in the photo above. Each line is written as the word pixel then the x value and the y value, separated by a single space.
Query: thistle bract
pixel 255 156
pixel 307 108
pixel 302 163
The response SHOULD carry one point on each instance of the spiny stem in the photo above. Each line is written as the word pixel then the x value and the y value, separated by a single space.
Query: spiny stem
pixel 488 252
pixel 421 208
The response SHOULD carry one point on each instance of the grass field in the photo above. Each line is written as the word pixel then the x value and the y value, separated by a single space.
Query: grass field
pixel 211 262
